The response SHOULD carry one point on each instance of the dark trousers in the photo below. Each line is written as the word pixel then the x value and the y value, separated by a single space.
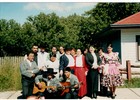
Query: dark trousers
pixel 71 95
pixel 27 87
pixel 92 82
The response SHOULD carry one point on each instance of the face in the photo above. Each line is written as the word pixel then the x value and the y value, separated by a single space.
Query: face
pixel 54 49
pixel 68 52
pixel 73 52
pixel 30 57
pixel 91 49
pixel 42 49
pixel 61 49
pixel 86 50
pixel 53 59
pixel 109 49
pixel 49 76
pixel 35 49
pixel 79 52
pixel 100 52
pixel 67 74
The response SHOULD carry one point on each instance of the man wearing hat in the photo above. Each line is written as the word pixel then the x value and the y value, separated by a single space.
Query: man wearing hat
pixel 50 80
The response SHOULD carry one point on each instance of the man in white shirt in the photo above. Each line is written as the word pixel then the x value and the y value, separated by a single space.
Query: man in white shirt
pixel 43 57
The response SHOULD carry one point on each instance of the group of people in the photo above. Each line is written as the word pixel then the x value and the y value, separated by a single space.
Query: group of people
pixel 69 73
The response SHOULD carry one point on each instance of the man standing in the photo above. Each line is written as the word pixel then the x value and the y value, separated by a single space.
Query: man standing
pixel 66 60
pixel 28 69
pixel 34 50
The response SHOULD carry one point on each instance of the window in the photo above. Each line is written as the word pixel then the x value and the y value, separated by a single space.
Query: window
pixel 138 46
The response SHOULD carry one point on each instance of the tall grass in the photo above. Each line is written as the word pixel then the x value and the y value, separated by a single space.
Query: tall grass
pixel 10 78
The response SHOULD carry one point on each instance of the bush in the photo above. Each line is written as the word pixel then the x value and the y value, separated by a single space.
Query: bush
pixel 10 78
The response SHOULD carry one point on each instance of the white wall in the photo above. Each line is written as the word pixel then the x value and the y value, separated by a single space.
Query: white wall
pixel 129 46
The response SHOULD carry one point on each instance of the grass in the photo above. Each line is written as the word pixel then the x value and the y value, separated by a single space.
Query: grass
pixel 10 78
pixel 133 83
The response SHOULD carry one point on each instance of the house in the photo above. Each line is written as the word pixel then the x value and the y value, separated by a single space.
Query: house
pixel 125 37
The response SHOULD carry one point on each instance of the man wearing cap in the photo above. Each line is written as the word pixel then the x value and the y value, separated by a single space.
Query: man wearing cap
pixel 50 80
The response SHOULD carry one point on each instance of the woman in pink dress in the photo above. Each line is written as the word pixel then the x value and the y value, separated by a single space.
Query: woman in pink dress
pixel 112 77
pixel 81 72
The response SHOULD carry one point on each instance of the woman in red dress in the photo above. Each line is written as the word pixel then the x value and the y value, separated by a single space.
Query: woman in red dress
pixel 81 72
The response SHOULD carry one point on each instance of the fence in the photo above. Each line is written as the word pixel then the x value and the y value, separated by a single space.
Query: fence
pixel 128 71
pixel 15 59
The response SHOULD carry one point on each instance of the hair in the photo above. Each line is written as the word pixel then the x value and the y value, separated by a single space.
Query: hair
pixel 100 48
pixel 110 45
pixel 67 69
pixel 28 53
pixel 52 55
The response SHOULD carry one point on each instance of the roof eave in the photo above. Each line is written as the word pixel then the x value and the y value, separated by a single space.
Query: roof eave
pixel 120 26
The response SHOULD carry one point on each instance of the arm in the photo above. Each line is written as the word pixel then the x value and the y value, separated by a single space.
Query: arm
pixel 35 69
pixel 24 71
pixel 87 60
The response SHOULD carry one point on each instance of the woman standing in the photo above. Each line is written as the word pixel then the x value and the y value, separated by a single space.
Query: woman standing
pixel 81 72
pixel 93 60
pixel 112 77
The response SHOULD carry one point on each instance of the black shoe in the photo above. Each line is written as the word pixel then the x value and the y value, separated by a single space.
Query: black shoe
pixel 95 95
pixel 113 96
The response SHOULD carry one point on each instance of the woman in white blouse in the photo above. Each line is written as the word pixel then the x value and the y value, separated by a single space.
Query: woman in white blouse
pixel 81 72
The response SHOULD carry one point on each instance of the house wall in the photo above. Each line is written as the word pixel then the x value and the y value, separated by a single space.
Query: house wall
pixel 129 46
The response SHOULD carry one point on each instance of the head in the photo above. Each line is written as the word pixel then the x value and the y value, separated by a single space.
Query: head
pixel 67 50
pixel 78 52
pixel 61 49
pixel 91 49
pixel 67 72
pixel 100 51
pixel 42 48
pixel 30 56
pixel 35 48
pixel 49 73
pixel 73 52
pixel 85 51
pixel 53 57
pixel 54 49
pixel 109 48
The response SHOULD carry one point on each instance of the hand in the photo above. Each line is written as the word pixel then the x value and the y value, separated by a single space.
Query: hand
pixel 61 72
pixel 39 85
pixel 94 67
pixel 33 75
pixel 86 73
pixel 76 86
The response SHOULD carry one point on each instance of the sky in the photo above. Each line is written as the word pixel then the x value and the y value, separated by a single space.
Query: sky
pixel 19 11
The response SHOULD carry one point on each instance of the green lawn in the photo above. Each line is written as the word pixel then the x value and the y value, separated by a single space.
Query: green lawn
pixel 133 83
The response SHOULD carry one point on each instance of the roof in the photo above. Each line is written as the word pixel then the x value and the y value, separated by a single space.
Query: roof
pixel 132 21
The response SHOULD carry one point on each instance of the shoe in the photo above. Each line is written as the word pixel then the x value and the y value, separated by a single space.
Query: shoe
pixel 113 96
pixel 95 95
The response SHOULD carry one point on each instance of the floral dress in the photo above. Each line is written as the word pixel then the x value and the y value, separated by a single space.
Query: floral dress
pixel 111 74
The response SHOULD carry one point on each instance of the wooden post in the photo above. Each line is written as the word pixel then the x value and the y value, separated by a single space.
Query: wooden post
pixel 128 69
